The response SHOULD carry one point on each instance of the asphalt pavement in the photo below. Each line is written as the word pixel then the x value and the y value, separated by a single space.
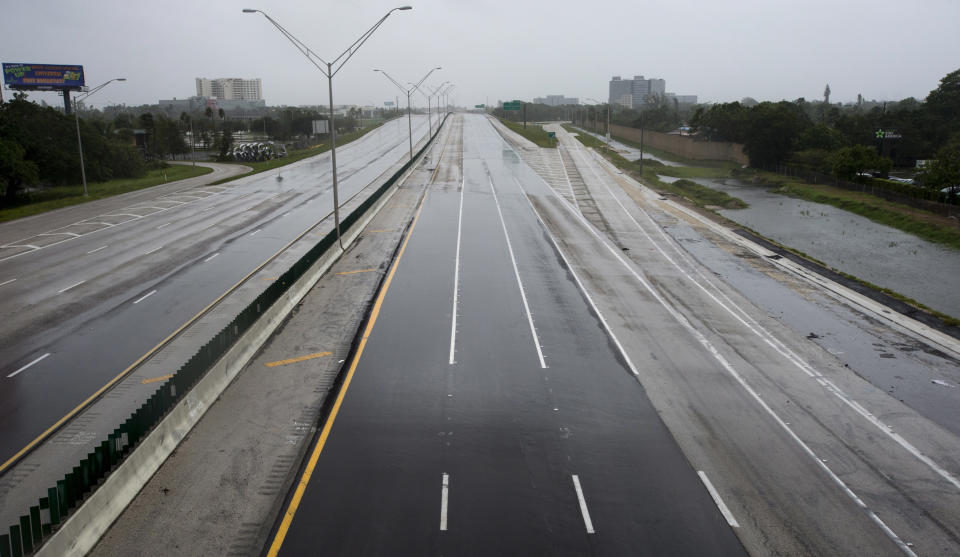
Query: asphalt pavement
pixel 84 301
pixel 489 413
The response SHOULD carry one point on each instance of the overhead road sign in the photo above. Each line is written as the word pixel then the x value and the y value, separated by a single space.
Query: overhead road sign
pixel 479 106
pixel 515 105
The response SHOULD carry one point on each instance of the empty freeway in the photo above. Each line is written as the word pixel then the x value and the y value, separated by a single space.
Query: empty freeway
pixel 528 353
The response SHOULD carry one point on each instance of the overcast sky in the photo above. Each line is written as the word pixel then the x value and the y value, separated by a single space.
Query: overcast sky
pixel 720 50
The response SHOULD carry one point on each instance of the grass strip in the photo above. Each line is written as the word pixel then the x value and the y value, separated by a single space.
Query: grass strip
pixel 532 132
pixel 48 199
pixel 697 194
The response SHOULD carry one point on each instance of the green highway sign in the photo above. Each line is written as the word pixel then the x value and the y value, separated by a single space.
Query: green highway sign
pixel 479 106
pixel 515 105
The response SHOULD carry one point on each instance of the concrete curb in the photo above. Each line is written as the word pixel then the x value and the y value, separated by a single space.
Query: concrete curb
pixel 83 529
pixel 940 340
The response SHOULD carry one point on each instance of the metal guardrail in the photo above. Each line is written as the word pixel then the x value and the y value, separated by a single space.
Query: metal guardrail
pixel 70 492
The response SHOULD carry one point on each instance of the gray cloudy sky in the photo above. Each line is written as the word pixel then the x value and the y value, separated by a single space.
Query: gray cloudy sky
pixel 719 50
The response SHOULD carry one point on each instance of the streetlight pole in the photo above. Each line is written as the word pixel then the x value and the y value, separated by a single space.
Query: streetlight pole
pixel 434 93
pixel 608 117
pixel 331 70
pixel 76 110
pixel 408 92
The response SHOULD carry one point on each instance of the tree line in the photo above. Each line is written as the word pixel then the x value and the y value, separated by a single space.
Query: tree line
pixel 846 140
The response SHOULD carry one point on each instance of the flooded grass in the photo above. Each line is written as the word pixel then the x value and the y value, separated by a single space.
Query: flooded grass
pixel 920 223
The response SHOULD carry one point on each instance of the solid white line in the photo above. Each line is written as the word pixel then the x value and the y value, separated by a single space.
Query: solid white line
pixel 163 226
pixel 28 365
pixel 7 281
pixel 125 215
pixel 254 233
pixel 583 289
pixel 211 257
pixel 153 250
pixel 444 497
pixel 583 505
pixel 456 278
pixel 516 271
pixel 71 286
pixel 716 499
pixel 145 296
pixel 706 344
pixel 779 346
pixel 96 250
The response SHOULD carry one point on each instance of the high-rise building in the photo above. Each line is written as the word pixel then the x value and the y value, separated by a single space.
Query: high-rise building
pixel 230 89
pixel 556 100
pixel 636 92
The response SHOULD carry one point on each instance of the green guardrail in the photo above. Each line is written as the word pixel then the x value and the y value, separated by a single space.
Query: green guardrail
pixel 43 519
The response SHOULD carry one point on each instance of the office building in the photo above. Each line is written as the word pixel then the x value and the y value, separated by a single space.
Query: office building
pixel 636 92
pixel 230 89
pixel 556 100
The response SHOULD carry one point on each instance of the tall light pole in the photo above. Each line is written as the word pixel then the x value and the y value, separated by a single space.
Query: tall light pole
pixel 408 92
pixel 76 110
pixel 330 70
pixel 608 117
pixel 429 121
pixel 446 96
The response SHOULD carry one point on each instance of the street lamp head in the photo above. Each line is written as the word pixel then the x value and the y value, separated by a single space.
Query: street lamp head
pixel 121 79
pixel 404 8
pixel 249 11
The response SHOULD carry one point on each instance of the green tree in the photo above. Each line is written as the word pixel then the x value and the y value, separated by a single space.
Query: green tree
pixel 943 172
pixel 15 171
pixel 848 162
pixel 943 104
pixel 773 131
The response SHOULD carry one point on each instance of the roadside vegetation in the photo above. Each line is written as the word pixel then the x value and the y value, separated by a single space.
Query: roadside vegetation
pixel 697 194
pixel 40 201
pixel 533 132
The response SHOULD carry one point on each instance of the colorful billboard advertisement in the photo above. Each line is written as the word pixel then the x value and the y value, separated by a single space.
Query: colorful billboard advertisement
pixel 43 76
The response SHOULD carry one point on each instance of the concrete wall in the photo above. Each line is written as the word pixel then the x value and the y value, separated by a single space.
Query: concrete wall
pixel 683 145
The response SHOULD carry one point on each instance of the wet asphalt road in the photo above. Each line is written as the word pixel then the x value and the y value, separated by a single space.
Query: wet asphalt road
pixel 78 312
pixel 489 419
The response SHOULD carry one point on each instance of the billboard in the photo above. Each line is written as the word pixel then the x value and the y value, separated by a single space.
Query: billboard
pixel 43 76
pixel 320 126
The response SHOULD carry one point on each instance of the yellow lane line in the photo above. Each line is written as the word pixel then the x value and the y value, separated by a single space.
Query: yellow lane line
pixel 156 379
pixel 297 359
pixel 328 425
pixel 355 272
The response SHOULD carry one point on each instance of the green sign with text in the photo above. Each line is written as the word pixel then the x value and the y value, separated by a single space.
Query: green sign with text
pixel 515 105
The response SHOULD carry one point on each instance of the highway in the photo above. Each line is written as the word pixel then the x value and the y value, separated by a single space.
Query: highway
pixel 83 300
pixel 548 371
pixel 490 413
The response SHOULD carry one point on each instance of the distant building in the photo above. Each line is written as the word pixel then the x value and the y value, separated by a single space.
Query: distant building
pixel 681 99
pixel 556 100
pixel 621 91
pixel 230 89
pixel 199 104
pixel 636 92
